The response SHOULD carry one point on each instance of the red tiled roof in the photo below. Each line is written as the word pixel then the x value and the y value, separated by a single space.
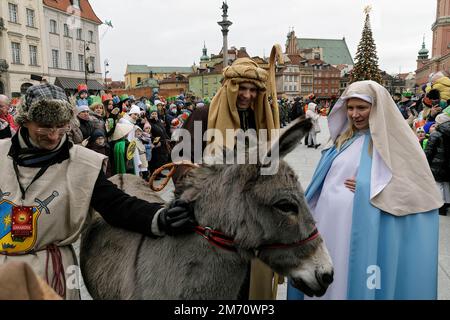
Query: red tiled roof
pixel 295 58
pixel 86 10
pixel 315 61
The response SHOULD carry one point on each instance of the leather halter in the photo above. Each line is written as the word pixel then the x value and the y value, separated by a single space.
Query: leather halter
pixel 225 242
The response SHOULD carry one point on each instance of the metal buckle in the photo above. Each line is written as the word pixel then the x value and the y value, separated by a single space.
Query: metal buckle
pixel 208 231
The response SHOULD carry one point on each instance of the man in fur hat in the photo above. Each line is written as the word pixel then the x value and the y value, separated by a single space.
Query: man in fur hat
pixel 49 185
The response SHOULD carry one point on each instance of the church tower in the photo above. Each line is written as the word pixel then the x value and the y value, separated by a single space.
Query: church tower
pixel 423 58
pixel 204 60
pixel 441 29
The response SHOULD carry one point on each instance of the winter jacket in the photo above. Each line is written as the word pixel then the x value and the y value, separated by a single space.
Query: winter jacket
pixel 438 152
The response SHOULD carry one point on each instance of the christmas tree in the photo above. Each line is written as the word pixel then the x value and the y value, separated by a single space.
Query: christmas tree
pixel 366 67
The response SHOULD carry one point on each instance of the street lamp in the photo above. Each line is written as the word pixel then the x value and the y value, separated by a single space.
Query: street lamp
pixel 86 64
pixel 106 73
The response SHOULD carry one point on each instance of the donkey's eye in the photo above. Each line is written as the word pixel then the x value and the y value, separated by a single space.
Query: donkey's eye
pixel 286 206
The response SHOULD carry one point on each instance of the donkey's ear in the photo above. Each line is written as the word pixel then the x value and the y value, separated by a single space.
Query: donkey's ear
pixel 291 137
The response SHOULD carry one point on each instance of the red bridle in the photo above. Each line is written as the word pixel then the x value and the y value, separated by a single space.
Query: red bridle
pixel 225 242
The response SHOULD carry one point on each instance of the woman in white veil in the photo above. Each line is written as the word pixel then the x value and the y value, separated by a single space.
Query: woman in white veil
pixel 374 199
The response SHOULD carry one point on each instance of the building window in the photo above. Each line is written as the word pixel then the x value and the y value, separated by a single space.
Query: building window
pixel 81 64
pixel 79 34
pixel 33 56
pixel 295 88
pixel 13 17
pixel 285 88
pixel 66 30
pixel 92 64
pixel 15 52
pixel 53 26
pixel 30 18
pixel 139 80
pixel 69 60
pixel 290 88
pixel 55 58
pixel 91 36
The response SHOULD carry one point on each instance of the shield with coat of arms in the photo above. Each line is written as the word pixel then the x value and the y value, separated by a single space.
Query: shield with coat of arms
pixel 15 245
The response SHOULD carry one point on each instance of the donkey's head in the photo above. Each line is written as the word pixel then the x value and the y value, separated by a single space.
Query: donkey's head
pixel 267 215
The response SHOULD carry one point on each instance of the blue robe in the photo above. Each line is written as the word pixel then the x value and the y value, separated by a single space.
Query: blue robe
pixel 390 257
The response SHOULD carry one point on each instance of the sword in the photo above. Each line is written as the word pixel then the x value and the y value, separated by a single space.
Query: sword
pixel 4 194
pixel 43 205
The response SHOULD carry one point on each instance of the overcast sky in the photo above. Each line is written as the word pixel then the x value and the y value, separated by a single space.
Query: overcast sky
pixel 172 32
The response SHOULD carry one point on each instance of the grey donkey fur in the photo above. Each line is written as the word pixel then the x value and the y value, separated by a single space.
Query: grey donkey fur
pixel 235 199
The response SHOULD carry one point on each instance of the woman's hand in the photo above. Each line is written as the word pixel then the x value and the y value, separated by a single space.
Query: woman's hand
pixel 350 184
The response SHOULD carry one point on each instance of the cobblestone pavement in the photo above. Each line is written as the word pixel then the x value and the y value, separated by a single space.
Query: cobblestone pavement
pixel 304 160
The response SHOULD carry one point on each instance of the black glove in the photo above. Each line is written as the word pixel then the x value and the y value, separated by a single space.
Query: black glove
pixel 177 219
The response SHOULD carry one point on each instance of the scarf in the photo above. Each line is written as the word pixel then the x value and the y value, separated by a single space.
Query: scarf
pixel 26 154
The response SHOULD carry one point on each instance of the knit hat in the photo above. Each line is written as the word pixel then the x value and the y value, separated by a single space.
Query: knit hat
pixel 94 100
pixel 96 134
pixel 116 100
pixel 420 129
pixel 45 104
pixel 152 109
pixel 106 97
pixel 427 126
pixel 124 98
pixel 442 118
pixel 82 108
pixel 158 102
pixel 134 110
pixel 407 94
pixel 82 88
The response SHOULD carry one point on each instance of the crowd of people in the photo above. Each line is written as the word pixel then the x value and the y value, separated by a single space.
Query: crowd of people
pixel 136 135
pixel 428 115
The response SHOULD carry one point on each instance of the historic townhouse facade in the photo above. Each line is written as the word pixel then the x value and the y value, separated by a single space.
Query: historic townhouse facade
pixel 73 44
pixel 22 48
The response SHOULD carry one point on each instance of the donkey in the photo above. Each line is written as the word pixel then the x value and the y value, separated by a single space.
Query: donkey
pixel 246 214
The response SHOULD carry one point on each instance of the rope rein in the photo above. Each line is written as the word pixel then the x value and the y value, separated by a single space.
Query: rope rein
pixel 173 168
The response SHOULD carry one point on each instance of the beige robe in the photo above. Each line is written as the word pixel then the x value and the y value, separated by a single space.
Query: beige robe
pixel 68 186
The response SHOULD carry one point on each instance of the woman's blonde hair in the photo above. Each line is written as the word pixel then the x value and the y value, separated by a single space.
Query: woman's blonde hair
pixel 347 135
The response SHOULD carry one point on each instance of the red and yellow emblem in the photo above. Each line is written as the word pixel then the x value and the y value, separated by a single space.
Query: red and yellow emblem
pixel 18 228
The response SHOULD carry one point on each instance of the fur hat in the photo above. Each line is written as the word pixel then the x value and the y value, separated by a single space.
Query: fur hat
pixel 45 104
pixel 46 112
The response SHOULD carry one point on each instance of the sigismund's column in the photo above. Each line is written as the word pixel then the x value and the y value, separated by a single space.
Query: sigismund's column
pixel 225 24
